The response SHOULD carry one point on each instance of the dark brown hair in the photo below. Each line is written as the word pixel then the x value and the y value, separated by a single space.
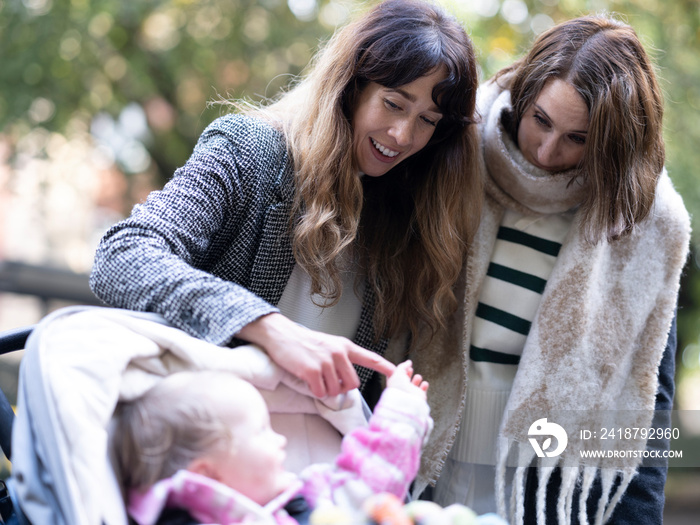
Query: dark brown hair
pixel 410 227
pixel 603 59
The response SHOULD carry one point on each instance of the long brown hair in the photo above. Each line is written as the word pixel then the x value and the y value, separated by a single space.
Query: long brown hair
pixel 624 155
pixel 409 228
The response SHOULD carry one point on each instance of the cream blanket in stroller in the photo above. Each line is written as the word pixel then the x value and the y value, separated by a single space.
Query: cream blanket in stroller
pixel 79 362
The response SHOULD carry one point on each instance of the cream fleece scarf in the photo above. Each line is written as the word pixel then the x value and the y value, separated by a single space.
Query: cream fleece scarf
pixel 595 343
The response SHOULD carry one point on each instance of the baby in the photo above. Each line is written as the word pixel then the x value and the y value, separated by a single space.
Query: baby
pixel 198 448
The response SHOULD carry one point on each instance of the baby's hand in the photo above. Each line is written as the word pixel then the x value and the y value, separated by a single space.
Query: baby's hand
pixel 403 379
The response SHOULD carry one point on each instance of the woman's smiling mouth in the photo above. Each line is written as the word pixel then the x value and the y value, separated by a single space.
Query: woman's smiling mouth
pixel 384 150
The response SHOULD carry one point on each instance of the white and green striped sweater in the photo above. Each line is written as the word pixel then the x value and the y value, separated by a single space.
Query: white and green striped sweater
pixel 524 254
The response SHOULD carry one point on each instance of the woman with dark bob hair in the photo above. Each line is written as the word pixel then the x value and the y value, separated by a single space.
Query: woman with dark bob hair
pixel 303 226
pixel 568 313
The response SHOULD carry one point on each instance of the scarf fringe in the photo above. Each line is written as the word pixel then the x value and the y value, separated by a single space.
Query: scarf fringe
pixel 589 475
pixel 502 458
pixel 624 483
pixel 543 475
pixel 572 477
pixel 607 478
pixel 517 509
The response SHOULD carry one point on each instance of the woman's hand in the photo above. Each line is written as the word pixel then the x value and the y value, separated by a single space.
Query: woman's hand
pixel 323 361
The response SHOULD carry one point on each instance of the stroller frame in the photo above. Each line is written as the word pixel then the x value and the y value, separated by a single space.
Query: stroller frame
pixel 10 513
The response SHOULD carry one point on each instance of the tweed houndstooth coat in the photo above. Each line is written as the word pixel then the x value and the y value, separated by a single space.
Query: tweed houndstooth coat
pixel 211 251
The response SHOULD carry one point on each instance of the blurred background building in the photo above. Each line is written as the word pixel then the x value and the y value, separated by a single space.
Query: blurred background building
pixel 101 100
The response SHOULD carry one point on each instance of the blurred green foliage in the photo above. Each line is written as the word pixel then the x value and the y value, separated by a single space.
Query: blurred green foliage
pixel 65 62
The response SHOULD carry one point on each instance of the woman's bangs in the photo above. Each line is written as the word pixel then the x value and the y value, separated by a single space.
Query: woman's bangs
pixel 452 95
pixel 399 58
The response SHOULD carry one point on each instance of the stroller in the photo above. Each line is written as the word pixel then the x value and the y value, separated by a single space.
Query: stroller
pixel 79 362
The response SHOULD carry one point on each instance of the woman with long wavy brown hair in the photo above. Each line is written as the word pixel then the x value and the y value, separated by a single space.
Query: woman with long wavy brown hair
pixel 321 224
pixel 408 228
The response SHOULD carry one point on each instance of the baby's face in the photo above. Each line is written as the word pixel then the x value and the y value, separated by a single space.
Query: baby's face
pixel 252 463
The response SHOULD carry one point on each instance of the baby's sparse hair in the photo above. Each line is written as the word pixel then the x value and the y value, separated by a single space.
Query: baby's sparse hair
pixel 169 426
